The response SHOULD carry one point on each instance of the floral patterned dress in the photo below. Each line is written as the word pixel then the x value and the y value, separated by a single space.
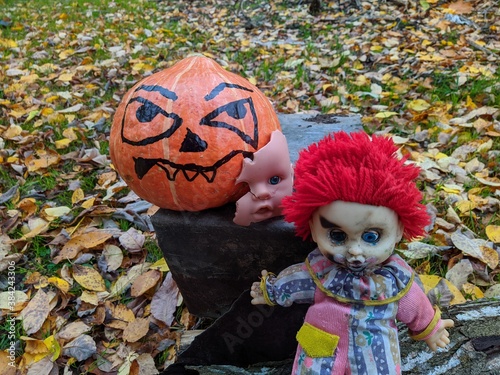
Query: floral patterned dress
pixel 351 326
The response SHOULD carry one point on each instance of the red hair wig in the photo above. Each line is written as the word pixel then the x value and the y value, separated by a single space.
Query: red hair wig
pixel 355 168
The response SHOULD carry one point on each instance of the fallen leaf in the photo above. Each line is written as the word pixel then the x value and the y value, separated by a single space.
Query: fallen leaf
pixel 136 330
pixel 164 302
pixel 113 256
pixel 59 283
pixel 459 273
pixel 493 291
pixel 437 287
pixel 419 250
pixel 44 366
pixel 472 247
pixel 81 348
pixel 145 282
pixel 144 365
pixel 132 240
pixel 88 278
pixel 493 233
pixel 72 330
pixel 53 345
pixel 123 283
pixel 34 314
pixel 461 7
pixel 418 105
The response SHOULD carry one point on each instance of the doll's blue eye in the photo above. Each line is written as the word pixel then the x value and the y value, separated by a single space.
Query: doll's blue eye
pixel 275 180
pixel 337 236
pixel 370 236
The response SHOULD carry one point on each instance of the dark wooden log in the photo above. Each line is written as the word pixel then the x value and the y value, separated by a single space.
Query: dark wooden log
pixel 474 348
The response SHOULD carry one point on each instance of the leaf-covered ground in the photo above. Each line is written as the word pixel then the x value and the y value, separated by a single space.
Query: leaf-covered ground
pixel 84 287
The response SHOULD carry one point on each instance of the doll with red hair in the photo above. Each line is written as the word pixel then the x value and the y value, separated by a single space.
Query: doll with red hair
pixel 356 200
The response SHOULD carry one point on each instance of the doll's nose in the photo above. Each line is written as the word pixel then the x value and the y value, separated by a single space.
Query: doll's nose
pixel 259 191
pixel 355 250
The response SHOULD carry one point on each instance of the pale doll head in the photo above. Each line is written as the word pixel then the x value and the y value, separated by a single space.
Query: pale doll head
pixel 351 191
pixel 269 177
pixel 358 236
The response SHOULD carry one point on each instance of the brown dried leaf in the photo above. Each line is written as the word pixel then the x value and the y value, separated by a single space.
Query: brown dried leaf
pixel 459 273
pixel 144 365
pixel 461 7
pixel 35 313
pixel 72 330
pixel 86 240
pixel 145 282
pixel 136 330
pixel 121 316
pixel 132 240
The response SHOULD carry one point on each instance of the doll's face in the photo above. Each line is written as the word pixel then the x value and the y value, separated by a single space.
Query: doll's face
pixel 269 177
pixel 355 235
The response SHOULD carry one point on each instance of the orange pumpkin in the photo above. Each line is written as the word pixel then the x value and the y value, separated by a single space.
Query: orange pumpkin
pixel 179 136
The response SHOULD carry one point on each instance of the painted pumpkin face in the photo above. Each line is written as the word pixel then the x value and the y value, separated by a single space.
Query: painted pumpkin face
pixel 179 136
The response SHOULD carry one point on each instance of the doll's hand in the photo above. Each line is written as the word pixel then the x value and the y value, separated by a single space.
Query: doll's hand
pixel 256 292
pixel 441 336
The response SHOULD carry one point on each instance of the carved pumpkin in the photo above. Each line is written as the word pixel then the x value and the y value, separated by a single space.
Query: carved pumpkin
pixel 179 136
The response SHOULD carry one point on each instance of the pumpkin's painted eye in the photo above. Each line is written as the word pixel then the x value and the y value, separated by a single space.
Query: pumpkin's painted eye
pixel 275 180
pixel 337 236
pixel 238 111
pixel 371 236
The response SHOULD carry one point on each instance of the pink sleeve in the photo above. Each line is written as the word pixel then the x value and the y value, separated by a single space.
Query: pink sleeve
pixel 416 311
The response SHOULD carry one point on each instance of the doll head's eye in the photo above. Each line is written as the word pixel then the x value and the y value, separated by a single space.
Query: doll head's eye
pixel 371 236
pixel 337 236
pixel 275 180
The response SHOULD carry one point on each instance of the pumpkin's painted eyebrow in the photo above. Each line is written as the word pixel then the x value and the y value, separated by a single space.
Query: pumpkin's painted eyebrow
pixel 221 86
pixel 162 90
pixel 326 223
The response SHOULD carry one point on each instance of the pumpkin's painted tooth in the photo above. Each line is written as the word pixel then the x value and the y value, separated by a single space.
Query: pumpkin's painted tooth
pixel 190 175
pixel 209 175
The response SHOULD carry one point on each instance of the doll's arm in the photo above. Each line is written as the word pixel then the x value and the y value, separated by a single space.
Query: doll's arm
pixel 294 284
pixel 416 311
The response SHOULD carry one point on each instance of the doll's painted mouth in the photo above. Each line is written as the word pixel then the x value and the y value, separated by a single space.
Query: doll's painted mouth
pixel 356 266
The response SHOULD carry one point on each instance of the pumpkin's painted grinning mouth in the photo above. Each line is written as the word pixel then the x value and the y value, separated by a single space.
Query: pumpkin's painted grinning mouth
pixel 190 171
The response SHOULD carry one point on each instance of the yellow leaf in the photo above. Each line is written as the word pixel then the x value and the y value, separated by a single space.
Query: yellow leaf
pixel 57 211
pixel 53 345
pixel 418 105
pixel 70 134
pixel 46 111
pixel 77 196
pixel 431 281
pixel 90 297
pixel 489 256
pixel 465 206
pixel 8 43
pixel 88 278
pixel 493 233
pixel 62 143
pixel 12 131
pixel 472 291
pixel 66 77
pixel 60 284
pixel 66 53
pixel 386 114
pixel 160 265
pixel 88 203
pixel 252 80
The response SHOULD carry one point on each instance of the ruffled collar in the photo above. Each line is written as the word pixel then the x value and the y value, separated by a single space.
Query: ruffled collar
pixel 380 286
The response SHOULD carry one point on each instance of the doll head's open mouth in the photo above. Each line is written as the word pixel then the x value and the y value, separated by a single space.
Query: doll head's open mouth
pixel 264 210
